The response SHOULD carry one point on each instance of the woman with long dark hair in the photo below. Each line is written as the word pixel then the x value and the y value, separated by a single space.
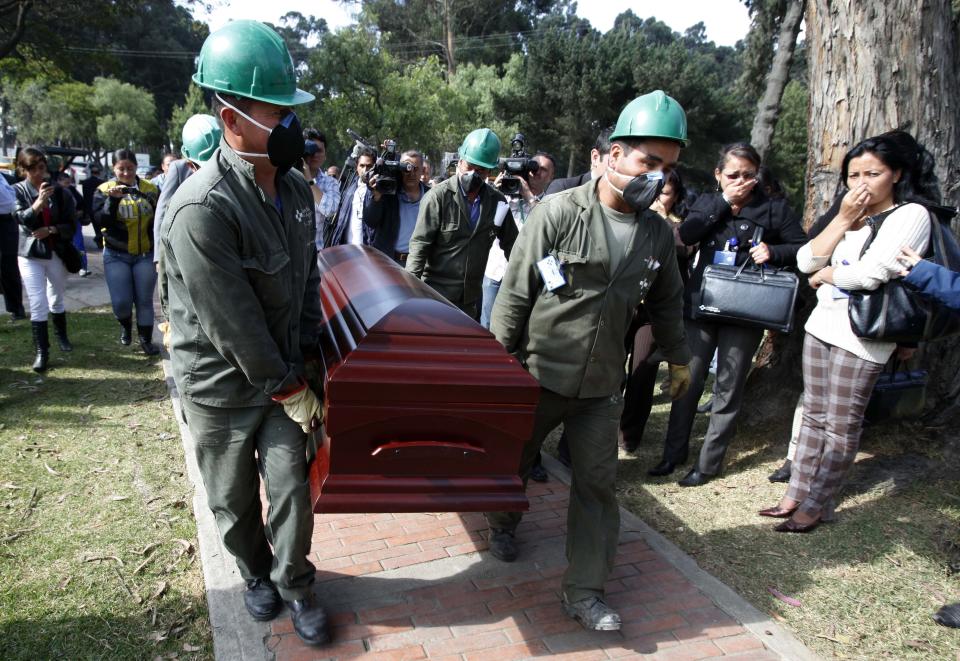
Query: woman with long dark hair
pixel 46 217
pixel 890 178
pixel 724 224
pixel 124 209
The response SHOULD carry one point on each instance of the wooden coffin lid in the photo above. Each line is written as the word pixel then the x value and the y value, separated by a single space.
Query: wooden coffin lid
pixel 386 330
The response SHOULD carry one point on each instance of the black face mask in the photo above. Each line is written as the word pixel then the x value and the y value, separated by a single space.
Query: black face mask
pixel 285 144
pixel 470 181
pixel 641 191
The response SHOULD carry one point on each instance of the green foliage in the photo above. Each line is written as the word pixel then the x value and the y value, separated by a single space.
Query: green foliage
pixel 788 153
pixel 194 104
pixel 126 114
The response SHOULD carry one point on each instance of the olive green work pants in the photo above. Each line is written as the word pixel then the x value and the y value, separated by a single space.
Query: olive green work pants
pixel 235 449
pixel 593 516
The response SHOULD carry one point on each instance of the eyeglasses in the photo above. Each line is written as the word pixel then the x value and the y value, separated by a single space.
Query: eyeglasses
pixel 740 175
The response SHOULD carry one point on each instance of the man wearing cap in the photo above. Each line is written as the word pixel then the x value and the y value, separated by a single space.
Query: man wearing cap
pixel 584 261
pixel 457 223
pixel 242 281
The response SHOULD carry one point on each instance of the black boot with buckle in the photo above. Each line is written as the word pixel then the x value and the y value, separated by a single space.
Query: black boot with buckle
pixel 126 331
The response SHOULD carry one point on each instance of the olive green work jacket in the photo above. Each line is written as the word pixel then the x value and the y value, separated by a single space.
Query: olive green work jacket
pixel 572 339
pixel 242 283
pixel 446 252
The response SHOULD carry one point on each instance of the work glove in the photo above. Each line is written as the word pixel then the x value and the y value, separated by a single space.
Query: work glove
pixel 303 407
pixel 679 380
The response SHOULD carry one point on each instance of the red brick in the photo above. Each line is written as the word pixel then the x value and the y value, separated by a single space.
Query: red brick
pixel 452 540
pixel 361 533
pixel 359 631
pixel 708 616
pixel 510 652
pixel 689 652
pixel 740 643
pixel 419 536
pixel 515 576
pixel 526 601
pixel 329 550
pixel 418 636
pixel 414 558
pixel 350 570
pixel 361 520
pixel 443 589
pixel 483 624
pixel 480 641
pixel 474 596
pixel 547 613
pixel 383 554
pixel 291 648
pixel 448 617
pixel 581 640
pixel 674 604
pixel 543 629
pixel 633 627
pixel 648 644
pixel 534 587
pixel 463 549
pixel 586 655
pixel 333 563
pixel 404 654
pixel 758 655
pixel 707 632
pixel 633 557
pixel 403 609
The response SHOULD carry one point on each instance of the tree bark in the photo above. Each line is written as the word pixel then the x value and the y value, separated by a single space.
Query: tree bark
pixel 768 109
pixel 874 67
pixel 22 7
pixel 448 29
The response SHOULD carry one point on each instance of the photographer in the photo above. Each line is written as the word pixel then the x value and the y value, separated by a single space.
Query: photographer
pixel 124 209
pixel 325 189
pixel 391 218
pixel 458 221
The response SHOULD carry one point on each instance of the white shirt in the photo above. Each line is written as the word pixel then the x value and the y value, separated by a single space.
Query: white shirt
pixel 356 216
pixel 496 260
pixel 830 321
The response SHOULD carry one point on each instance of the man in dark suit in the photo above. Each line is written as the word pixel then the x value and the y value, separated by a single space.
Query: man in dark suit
pixel 598 163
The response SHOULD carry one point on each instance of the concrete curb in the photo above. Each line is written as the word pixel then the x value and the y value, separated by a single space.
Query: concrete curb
pixel 775 637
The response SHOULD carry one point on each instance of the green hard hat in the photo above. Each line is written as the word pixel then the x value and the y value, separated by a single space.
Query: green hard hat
pixel 653 115
pixel 248 59
pixel 481 147
pixel 201 136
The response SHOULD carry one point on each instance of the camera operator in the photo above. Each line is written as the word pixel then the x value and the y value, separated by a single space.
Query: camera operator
pixel 325 189
pixel 458 221
pixel 532 188
pixel 391 218
pixel 348 223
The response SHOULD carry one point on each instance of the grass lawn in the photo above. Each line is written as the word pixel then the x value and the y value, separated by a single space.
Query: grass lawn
pixel 97 538
pixel 867 584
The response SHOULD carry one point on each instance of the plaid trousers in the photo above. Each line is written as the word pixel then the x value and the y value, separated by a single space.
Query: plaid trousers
pixel 836 388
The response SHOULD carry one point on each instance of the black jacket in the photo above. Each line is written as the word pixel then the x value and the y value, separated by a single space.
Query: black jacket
pixel 383 220
pixel 558 185
pixel 711 224
pixel 62 214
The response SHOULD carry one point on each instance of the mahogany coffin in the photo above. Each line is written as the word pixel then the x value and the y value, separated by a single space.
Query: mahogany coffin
pixel 425 410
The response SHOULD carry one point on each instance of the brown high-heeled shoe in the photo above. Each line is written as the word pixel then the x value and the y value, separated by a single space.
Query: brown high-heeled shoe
pixel 778 512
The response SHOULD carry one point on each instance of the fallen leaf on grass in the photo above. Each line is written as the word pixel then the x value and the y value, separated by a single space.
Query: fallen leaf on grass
pixel 50 470
pixel 64 583
pixel 10 485
pixel 157 637
pixel 839 638
pixel 161 588
pixel 187 647
pixel 119 498
pixel 789 601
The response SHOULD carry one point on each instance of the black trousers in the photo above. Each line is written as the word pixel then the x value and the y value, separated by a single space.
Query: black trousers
pixel 641 384
pixel 9 269
pixel 735 346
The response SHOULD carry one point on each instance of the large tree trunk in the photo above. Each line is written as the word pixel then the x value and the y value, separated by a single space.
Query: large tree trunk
pixel 768 109
pixel 875 67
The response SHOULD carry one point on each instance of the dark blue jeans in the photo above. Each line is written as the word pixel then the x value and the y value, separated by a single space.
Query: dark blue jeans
pixel 130 279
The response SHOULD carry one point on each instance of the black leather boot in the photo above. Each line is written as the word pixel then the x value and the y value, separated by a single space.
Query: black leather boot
pixel 60 328
pixel 146 340
pixel 41 341
pixel 126 331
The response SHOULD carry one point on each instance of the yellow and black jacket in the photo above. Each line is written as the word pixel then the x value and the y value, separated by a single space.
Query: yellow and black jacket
pixel 126 222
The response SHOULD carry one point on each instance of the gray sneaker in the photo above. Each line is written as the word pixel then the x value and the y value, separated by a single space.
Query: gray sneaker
pixel 502 546
pixel 593 614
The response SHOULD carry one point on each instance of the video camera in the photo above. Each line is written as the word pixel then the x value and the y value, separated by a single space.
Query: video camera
pixel 518 165
pixel 389 169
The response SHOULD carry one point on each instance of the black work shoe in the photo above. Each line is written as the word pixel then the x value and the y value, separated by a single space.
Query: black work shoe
pixel 593 614
pixel 262 600
pixel 663 468
pixel 782 474
pixel 537 474
pixel 309 621
pixel 695 479
pixel 126 331
pixel 502 546
pixel 948 616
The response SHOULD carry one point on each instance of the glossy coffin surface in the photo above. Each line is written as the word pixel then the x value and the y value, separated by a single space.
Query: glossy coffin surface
pixel 425 410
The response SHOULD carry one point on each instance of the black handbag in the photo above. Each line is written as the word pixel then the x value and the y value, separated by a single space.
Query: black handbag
pixel 69 255
pixel 895 313
pixel 897 394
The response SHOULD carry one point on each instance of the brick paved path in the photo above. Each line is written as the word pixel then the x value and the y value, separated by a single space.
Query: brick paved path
pixel 412 586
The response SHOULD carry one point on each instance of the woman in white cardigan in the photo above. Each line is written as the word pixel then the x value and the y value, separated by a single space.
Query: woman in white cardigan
pixel 886 175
